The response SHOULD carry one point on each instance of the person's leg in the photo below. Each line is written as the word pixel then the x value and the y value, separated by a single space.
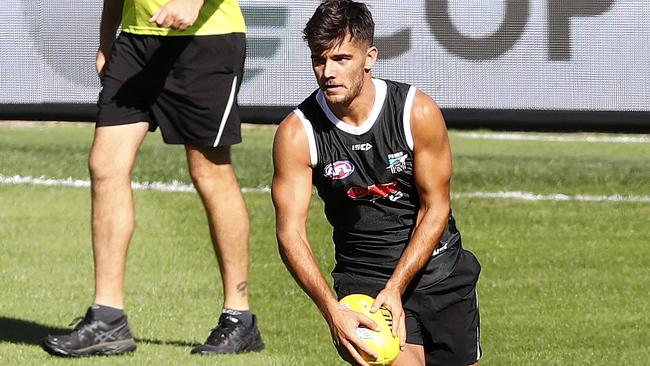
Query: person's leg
pixel 214 179
pixel 110 162
pixel 104 330
pixel 412 355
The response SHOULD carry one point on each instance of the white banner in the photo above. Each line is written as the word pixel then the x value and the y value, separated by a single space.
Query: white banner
pixel 585 55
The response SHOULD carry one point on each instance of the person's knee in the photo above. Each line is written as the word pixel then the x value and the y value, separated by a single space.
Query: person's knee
pixel 207 175
pixel 103 167
pixel 209 166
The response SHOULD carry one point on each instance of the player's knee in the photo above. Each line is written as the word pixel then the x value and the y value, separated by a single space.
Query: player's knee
pixel 207 173
pixel 200 175
pixel 104 168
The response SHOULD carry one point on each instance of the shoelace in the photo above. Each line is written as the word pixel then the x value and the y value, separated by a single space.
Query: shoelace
pixel 81 322
pixel 219 333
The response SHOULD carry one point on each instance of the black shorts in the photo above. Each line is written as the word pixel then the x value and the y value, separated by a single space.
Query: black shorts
pixel 443 317
pixel 186 85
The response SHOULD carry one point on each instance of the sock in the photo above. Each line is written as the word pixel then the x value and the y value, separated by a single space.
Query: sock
pixel 243 316
pixel 105 313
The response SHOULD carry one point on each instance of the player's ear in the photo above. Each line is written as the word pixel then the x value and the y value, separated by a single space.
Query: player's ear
pixel 371 57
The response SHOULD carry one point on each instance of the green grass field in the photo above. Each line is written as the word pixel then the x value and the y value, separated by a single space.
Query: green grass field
pixel 563 283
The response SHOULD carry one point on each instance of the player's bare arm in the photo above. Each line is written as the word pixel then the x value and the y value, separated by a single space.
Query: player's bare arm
pixel 177 14
pixel 432 170
pixel 111 17
pixel 292 191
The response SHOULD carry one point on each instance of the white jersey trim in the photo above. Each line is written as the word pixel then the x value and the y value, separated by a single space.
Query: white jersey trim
pixel 306 124
pixel 408 106
pixel 226 113
pixel 380 97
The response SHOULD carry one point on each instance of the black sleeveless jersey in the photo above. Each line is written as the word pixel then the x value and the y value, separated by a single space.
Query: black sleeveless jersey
pixel 364 175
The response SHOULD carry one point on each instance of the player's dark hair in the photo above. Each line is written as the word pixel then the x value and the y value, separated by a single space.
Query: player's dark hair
pixel 334 20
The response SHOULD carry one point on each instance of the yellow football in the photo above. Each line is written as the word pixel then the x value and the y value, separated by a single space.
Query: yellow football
pixel 382 342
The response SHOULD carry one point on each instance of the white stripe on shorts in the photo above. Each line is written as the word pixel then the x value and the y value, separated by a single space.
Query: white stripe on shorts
pixel 226 113
pixel 478 331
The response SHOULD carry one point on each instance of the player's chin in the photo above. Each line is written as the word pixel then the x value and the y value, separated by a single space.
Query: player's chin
pixel 336 99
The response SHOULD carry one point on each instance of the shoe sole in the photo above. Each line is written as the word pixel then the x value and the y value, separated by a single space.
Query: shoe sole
pixel 102 349
pixel 256 346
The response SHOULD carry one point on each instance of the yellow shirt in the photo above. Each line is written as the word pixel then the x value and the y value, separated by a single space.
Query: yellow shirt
pixel 215 17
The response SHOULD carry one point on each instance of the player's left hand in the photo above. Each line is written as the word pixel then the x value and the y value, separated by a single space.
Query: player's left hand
pixel 177 14
pixel 392 300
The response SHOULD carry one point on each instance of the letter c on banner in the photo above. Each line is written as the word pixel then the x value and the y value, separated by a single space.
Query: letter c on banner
pixel 483 48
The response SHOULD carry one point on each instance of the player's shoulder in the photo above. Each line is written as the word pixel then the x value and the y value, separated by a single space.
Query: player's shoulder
pixel 292 131
pixel 427 121
pixel 291 143
pixel 424 106
pixel 290 128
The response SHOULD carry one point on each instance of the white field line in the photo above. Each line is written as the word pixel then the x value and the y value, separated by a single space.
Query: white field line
pixel 176 186
pixel 528 196
pixel 173 186
pixel 553 138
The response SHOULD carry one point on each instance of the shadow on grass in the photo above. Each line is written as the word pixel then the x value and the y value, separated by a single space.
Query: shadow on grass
pixel 27 332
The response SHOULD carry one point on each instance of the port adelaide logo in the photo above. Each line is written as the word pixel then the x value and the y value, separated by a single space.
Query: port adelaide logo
pixel 338 169
pixel 397 162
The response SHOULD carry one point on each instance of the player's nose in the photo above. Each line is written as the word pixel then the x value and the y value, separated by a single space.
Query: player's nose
pixel 328 70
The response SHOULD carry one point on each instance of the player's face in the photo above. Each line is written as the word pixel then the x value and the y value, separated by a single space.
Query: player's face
pixel 341 70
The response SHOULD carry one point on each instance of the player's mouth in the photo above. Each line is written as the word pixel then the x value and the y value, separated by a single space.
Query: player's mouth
pixel 333 88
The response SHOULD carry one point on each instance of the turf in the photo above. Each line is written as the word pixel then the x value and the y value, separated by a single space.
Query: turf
pixel 563 283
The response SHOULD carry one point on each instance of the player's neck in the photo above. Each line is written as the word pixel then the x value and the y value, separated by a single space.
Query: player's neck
pixel 357 111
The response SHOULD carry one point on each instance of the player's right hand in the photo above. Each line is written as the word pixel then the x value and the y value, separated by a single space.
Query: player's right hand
pixel 343 324
pixel 177 14
pixel 101 60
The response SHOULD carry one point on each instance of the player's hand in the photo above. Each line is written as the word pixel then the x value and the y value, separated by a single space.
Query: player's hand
pixel 177 14
pixel 101 60
pixel 392 300
pixel 343 324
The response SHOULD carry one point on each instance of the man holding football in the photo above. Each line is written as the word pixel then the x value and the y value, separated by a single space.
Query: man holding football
pixel 378 154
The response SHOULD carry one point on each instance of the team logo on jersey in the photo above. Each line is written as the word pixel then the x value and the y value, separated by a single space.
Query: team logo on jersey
pixel 397 162
pixel 375 192
pixel 362 147
pixel 338 169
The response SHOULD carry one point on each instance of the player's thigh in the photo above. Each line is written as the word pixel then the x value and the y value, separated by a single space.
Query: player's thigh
pixel 453 333
pixel 114 149
pixel 198 156
pixel 412 355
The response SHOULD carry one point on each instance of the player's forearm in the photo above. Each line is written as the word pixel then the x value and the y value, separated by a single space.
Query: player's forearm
pixel 430 226
pixel 301 263
pixel 111 17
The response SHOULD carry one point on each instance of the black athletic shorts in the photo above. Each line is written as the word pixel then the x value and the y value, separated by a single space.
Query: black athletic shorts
pixel 186 85
pixel 443 316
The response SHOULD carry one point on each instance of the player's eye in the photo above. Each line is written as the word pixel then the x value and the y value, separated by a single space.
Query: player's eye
pixel 317 60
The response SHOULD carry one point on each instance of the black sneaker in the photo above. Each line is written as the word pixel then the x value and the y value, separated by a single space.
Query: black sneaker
pixel 230 336
pixel 92 337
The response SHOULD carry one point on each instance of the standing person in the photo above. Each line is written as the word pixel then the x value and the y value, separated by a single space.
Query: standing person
pixel 176 65
pixel 378 154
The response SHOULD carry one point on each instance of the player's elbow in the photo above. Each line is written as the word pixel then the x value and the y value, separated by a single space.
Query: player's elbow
pixel 284 248
pixel 289 240
pixel 438 210
pixel 283 236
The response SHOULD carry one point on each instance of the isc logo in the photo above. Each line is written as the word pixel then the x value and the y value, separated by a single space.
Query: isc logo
pixel 361 147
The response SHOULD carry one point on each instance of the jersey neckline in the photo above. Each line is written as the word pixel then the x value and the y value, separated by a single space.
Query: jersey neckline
pixel 380 97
